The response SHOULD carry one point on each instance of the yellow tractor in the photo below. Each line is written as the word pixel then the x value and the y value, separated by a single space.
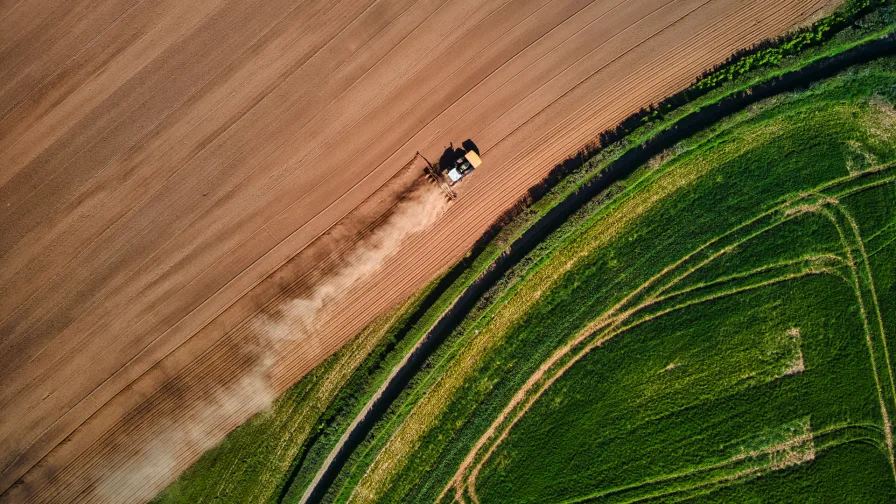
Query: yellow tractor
pixel 463 163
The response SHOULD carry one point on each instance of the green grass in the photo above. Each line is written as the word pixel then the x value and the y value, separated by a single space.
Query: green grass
pixel 617 421
pixel 761 272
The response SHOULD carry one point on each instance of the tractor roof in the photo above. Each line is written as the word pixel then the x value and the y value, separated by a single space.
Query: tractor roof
pixel 473 158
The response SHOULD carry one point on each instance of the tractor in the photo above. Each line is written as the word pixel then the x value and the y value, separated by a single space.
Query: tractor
pixel 454 165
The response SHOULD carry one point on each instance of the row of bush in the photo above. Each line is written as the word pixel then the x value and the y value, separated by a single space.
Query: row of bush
pixel 774 51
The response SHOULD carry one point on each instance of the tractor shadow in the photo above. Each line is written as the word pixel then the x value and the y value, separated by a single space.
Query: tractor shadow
pixel 448 157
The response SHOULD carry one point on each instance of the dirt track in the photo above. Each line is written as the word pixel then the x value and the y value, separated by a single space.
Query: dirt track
pixel 158 160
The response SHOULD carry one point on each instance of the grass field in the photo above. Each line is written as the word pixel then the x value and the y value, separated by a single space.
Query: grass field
pixel 723 321
pixel 750 341
pixel 713 328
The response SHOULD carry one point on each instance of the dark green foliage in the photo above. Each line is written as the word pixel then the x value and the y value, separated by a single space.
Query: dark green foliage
pixel 773 53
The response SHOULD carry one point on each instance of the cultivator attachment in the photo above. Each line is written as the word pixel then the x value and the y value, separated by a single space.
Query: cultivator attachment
pixel 437 178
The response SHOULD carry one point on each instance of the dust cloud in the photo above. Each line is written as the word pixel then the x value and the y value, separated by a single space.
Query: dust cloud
pixel 296 319
pixel 150 467
pixel 154 463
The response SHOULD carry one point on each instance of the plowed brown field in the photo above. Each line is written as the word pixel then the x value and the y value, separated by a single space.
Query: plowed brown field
pixel 159 159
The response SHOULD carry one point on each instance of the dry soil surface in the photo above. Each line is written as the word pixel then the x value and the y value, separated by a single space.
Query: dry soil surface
pixel 160 159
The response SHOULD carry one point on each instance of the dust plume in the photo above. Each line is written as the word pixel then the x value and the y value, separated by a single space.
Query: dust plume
pixel 296 319
pixel 151 465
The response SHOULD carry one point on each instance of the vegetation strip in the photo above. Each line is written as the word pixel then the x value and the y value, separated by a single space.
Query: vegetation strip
pixel 610 325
